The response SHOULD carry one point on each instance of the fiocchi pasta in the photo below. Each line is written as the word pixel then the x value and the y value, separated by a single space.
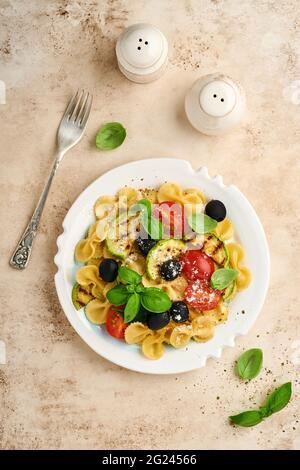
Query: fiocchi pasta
pixel 177 273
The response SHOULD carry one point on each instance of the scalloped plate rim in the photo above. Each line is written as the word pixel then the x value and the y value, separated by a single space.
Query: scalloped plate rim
pixel 146 366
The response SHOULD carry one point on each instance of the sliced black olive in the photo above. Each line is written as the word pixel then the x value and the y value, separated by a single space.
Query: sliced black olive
pixel 145 244
pixel 170 269
pixel 179 311
pixel 108 269
pixel 156 321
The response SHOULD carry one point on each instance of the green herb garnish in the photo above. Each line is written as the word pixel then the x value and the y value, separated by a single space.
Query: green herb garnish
pixel 249 364
pixel 247 418
pixel 153 226
pixel 133 294
pixel 279 398
pixel 155 300
pixel 128 276
pixel 222 277
pixel 110 136
pixel 118 295
pixel 275 402
pixel 132 307
pixel 202 223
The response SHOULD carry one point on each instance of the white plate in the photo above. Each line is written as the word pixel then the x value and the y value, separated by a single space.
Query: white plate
pixel 151 173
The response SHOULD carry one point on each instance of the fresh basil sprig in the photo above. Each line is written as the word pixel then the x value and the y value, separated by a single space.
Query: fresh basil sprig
pixel 202 223
pixel 221 278
pixel 133 294
pixel 128 276
pixel 152 225
pixel 110 136
pixel 249 363
pixel 275 402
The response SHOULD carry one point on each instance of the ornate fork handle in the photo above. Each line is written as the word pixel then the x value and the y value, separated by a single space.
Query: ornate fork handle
pixel 70 131
pixel 21 256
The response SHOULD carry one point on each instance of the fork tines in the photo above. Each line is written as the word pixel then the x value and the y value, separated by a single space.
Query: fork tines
pixel 78 109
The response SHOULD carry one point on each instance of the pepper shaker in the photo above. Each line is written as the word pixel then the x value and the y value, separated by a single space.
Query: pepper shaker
pixel 215 104
pixel 142 53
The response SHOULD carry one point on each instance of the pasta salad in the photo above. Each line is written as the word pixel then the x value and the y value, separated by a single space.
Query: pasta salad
pixel 159 267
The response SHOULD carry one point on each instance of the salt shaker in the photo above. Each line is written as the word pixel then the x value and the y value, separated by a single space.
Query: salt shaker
pixel 142 53
pixel 215 104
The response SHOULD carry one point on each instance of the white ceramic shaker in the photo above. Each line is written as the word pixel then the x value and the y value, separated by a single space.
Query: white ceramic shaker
pixel 142 53
pixel 215 104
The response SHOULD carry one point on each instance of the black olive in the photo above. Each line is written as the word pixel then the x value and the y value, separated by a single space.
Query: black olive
pixel 216 210
pixel 170 269
pixel 156 321
pixel 108 269
pixel 179 311
pixel 145 244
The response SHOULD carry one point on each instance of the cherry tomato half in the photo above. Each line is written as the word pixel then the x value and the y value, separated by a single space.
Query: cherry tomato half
pixel 201 296
pixel 197 265
pixel 171 214
pixel 115 324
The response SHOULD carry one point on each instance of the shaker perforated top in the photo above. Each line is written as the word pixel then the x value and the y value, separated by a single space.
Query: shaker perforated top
pixel 215 104
pixel 217 98
pixel 142 52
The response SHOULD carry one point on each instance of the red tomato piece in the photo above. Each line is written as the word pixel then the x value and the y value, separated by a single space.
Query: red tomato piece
pixel 171 214
pixel 201 296
pixel 197 265
pixel 115 324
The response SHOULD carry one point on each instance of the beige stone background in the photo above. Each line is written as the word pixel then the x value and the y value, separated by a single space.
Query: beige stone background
pixel 55 391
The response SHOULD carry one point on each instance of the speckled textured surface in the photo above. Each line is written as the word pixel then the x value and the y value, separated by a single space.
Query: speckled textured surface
pixel 54 391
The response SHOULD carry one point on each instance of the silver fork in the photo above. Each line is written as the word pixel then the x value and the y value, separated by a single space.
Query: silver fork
pixel 69 133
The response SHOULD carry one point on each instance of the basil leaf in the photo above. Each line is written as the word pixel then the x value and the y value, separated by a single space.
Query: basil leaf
pixel 202 223
pixel 279 398
pixel 129 276
pixel 222 277
pixel 132 307
pixel 146 205
pixel 110 136
pixel 118 295
pixel 155 300
pixel 152 225
pixel 249 364
pixel 143 206
pixel 145 221
pixel 247 418
pixel 155 229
